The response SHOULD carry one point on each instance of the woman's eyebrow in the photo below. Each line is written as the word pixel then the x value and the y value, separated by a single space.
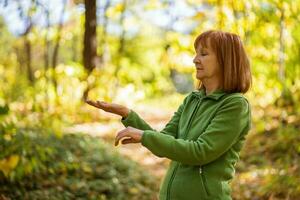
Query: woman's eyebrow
pixel 203 49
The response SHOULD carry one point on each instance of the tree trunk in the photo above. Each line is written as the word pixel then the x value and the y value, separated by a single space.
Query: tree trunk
pixel 90 41
pixel 46 41
pixel 57 45
pixel 281 50
pixel 46 56
pixel 27 46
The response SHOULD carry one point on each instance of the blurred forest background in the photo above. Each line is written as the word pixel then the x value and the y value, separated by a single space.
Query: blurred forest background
pixel 138 53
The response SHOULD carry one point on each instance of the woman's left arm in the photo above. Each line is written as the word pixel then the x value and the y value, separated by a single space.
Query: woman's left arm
pixel 232 120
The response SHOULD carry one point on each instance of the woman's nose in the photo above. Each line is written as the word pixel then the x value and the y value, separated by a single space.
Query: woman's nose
pixel 195 60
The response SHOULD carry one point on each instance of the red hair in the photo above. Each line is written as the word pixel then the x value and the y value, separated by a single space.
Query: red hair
pixel 232 59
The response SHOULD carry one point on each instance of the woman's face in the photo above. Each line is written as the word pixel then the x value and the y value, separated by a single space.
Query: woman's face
pixel 206 64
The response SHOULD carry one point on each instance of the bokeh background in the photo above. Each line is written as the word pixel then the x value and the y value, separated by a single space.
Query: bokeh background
pixel 138 53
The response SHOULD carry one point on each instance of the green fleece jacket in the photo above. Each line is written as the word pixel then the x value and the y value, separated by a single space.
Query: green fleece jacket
pixel 203 140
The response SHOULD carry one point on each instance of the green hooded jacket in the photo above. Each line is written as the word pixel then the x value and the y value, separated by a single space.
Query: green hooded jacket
pixel 203 140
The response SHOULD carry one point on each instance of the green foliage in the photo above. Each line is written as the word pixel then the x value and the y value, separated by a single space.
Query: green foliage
pixel 74 166
pixel 269 164
pixel 4 110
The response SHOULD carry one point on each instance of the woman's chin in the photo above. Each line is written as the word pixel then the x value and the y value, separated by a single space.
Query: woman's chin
pixel 199 77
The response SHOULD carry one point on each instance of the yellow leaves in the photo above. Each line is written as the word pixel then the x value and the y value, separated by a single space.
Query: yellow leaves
pixel 198 16
pixel 270 29
pixel 287 9
pixel 7 137
pixel 9 164
pixel 37 74
pixel 133 190
pixel 86 168
pixel 112 12
pixel 153 4
pixel 263 52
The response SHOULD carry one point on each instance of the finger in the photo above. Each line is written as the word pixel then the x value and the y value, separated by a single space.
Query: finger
pixel 121 134
pixel 90 102
pixel 127 141
pixel 120 139
pixel 102 103
pixel 87 101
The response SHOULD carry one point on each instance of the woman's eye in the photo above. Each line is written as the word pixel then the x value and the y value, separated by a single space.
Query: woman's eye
pixel 203 54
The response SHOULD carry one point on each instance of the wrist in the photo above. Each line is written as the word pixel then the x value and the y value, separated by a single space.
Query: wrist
pixel 125 113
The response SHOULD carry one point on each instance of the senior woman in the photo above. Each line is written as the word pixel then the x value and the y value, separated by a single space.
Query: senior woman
pixel 205 135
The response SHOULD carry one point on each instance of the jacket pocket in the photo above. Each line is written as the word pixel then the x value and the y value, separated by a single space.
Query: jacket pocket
pixel 203 181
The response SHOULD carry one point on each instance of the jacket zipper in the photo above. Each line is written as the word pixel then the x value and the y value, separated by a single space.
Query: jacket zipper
pixel 171 180
pixel 203 180
pixel 176 167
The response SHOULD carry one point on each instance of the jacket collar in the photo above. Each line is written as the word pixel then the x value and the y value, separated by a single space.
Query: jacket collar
pixel 200 93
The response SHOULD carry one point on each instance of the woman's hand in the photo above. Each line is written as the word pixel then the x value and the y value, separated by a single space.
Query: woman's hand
pixel 110 107
pixel 133 135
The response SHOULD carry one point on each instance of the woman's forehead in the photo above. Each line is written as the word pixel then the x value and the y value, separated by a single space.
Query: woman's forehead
pixel 203 43
pixel 202 46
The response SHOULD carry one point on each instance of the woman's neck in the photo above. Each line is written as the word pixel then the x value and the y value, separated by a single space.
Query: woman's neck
pixel 210 87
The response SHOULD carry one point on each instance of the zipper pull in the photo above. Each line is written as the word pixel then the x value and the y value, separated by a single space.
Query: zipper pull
pixel 200 170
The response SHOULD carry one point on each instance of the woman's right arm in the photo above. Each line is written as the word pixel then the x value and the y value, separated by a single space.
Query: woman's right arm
pixel 171 128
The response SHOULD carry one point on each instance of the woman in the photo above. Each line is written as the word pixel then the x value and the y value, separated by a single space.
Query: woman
pixel 205 135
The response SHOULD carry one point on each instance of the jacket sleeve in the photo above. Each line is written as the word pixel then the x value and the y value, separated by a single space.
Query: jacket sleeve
pixel 230 121
pixel 134 120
